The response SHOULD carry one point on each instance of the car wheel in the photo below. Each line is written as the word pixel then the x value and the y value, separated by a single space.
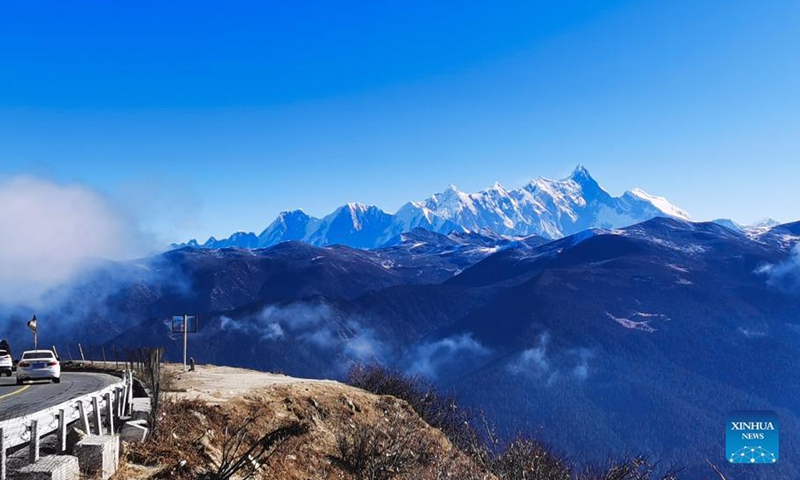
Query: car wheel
pixel 56 380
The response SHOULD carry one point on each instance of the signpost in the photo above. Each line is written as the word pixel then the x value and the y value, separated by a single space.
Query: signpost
pixel 184 324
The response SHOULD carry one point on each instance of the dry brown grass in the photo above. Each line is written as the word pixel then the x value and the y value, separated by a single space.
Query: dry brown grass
pixel 190 435
pixel 176 448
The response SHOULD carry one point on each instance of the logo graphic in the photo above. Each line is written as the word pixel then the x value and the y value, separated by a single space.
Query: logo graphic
pixel 752 437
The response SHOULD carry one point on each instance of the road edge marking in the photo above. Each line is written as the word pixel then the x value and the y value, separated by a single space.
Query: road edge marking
pixel 15 392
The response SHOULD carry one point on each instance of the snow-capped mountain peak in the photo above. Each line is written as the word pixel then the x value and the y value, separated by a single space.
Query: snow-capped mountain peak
pixel 581 175
pixel 544 207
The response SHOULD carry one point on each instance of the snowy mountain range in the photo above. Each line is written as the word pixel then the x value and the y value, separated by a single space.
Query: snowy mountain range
pixel 548 208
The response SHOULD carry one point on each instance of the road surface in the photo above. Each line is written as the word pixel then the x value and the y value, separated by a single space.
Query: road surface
pixel 17 400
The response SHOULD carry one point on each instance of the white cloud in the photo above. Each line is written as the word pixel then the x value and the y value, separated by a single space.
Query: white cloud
pixel 50 232
pixel 784 275
pixel 533 361
pixel 319 325
pixel 454 352
pixel 542 363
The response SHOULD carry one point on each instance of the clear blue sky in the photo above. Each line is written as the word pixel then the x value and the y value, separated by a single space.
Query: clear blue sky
pixel 209 117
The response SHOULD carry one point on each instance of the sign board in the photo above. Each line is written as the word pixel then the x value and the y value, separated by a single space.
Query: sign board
pixel 178 327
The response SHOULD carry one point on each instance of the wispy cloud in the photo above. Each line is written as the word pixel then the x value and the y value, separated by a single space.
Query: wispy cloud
pixel 433 359
pixel 318 325
pixel 784 275
pixel 533 361
pixel 541 362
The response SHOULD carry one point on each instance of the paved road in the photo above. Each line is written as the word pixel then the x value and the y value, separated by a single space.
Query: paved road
pixel 17 400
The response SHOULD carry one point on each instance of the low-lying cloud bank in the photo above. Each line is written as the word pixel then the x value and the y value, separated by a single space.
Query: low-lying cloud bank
pixel 351 339
pixel 316 325
pixel 50 233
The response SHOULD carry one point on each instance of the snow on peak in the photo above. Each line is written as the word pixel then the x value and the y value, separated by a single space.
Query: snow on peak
pixel 580 173
pixel 660 203
pixel 296 211
pixel 357 207
pixel 765 223
pixel 544 207
pixel 496 187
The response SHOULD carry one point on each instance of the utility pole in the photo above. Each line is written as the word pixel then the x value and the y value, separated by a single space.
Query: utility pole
pixel 181 324
pixel 185 339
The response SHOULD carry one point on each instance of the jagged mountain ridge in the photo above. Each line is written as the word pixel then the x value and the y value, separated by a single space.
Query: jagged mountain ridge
pixel 547 208
pixel 591 340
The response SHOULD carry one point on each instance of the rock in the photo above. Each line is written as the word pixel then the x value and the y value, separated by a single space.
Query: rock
pixel 74 436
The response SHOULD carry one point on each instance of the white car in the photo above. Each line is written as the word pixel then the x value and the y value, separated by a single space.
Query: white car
pixel 38 365
pixel 6 364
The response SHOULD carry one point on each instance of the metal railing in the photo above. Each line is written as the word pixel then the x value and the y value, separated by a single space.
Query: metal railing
pixel 103 406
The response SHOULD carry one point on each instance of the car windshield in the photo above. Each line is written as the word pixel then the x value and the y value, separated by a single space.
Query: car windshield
pixel 34 355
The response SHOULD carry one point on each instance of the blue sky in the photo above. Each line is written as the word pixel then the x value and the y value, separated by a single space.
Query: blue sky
pixel 208 117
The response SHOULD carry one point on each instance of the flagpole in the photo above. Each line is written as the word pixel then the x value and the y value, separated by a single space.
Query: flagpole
pixel 32 324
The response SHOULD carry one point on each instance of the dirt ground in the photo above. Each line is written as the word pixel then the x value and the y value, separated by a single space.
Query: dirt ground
pixel 215 384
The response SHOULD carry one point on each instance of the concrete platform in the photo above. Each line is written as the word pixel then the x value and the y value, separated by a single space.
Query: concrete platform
pixel 52 467
pixel 98 455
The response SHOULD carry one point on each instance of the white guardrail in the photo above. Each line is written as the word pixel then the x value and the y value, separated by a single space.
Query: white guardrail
pixel 103 406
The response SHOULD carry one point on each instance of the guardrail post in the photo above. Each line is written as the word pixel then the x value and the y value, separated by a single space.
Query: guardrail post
pixel 2 455
pixel 123 398
pixel 120 401
pixel 84 418
pixel 129 400
pixel 116 402
pixel 96 408
pixel 123 395
pixel 62 430
pixel 33 447
pixel 109 413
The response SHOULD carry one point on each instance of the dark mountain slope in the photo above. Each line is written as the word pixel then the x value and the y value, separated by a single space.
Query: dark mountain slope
pixel 640 338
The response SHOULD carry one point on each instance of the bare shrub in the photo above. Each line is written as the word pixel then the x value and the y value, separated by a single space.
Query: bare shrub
pixel 638 467
pixel 195 440
pixel 470 431
pixel 451 465
pixel 175 440
pixel 242 456
pixel 148 363
pixel 393 448
pixel 442 412
pixel 526 459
